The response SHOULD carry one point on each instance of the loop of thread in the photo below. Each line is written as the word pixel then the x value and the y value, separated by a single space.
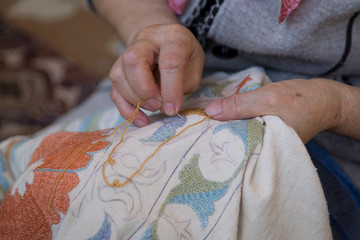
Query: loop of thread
pixel 116 183
pixel 110 160
pixel 132 117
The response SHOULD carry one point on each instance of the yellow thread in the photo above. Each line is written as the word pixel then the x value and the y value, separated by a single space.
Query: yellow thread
pixel 192 111
pixel 111 161
pixel 116 182
pixel 132 117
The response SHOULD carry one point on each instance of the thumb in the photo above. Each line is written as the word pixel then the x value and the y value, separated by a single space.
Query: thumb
pixel 237 106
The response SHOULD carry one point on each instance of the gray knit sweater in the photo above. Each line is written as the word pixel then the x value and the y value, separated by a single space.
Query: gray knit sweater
pixel 312 40
pixel 321 38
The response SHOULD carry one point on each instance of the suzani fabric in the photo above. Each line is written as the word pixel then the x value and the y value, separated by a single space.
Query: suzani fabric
pixel 243 179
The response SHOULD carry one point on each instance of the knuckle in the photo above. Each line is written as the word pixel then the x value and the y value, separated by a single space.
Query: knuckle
pixel 144 32
pixel 234 105
pixel 113 95
pixel 272 98
pixel 144 91
pixel 132 57
pixel 172 61
pixel 115 74
pixel 231 107
pixel 177 30
pixel 180 36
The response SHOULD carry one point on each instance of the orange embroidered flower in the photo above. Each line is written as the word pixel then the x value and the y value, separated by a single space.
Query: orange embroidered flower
pixel 25 214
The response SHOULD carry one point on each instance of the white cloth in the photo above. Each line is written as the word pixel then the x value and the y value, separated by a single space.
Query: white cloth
pixel 282 195
pixel 244 179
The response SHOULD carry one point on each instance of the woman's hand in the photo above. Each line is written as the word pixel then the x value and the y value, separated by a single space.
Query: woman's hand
pixel 162 61
pixel 160 64
pixel 308 106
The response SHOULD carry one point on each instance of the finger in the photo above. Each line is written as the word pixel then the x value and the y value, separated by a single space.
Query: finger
pixel 181 57
pixel 120 82
pixel 193 71
pixel 138 63
pixel 126 109
pixel 172 63
pixel 240 106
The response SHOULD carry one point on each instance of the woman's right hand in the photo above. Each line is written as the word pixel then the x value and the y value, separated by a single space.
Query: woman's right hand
pixel 160 64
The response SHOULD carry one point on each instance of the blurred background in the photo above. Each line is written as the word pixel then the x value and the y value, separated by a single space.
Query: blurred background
pixel 53 53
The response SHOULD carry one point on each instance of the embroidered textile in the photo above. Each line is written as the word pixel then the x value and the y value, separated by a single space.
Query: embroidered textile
pixel 218 180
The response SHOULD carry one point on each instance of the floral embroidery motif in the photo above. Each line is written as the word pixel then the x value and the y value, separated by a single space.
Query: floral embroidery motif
pixel 167 130
pixel 185 192
pixel 105 230
pixel 37 187
pixel 199 193
pixel 211 90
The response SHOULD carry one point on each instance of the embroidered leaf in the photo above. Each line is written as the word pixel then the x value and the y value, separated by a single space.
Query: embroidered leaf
pixel 167 130
pixel 212 90
pixel 105 231
pixel 255 131
pixel 149 233
pixel 196 191
pixel 238 128
pixel 243 129
pixel 4 183
pixel 199 193
pixel 202 203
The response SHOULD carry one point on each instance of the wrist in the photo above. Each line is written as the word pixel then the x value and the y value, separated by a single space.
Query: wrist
pixel 330 108
pixel 337 104
pixel 128 17
pixel 350 111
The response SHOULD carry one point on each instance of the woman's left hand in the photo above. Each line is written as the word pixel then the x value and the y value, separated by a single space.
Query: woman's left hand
pixel 308 106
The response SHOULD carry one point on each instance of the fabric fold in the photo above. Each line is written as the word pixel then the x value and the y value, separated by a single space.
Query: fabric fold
pixel 282 197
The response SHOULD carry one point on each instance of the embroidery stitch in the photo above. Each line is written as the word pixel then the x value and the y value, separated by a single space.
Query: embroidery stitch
pixel 86 149
pixel 116 182
pixel 199 193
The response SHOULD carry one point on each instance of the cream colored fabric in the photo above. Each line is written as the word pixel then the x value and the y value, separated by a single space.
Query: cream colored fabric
pixel 243 179
pixel 282 197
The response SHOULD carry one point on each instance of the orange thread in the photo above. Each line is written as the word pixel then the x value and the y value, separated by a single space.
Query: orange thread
pixel 247 79
pixel 116 182
pixel 130 120
pixel 193 111
pixel 111 161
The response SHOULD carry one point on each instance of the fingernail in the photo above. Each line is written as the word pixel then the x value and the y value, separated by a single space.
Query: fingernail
pixel 214 108
pixel 169 109
pixel 140 123
pixel 154 104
